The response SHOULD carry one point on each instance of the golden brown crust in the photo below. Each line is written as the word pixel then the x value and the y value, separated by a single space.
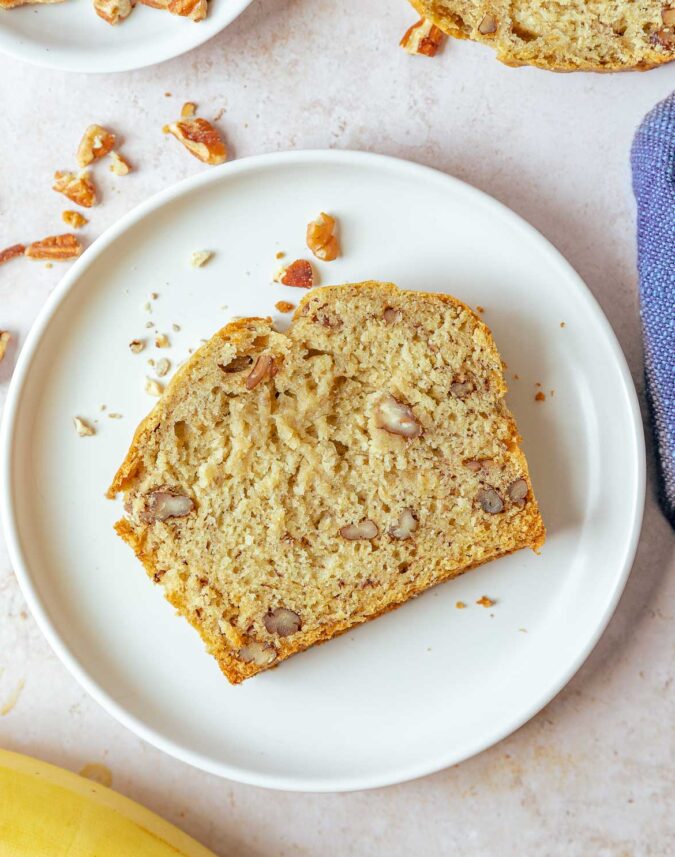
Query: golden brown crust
pixel 531 531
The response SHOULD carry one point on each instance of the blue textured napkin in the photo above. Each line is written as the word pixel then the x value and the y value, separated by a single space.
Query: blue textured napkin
pixel 653 162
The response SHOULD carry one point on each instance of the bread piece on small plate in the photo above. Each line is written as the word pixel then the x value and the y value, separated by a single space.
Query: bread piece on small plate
pixel 289 486
pixel 573 35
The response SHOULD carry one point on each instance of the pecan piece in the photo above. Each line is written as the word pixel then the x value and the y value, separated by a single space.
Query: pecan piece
pixel 97 141
pixel 74 219
pixel 488 25
pixel 58 248
pixel 518 492
pixel 490 501
pixel 11 252
pixel 260 654
pixel 422 38
pixel 119 166
pixel 405 526
pixel 365 530
pixel 264 367
pixel 298 274
pixel 282 621
pixel 78 188
pixel 166 503
pixel 200 138
pixel 321 239
pixel 396 418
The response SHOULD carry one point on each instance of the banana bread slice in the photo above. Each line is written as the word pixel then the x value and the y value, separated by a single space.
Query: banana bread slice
pixel 573 35
pixel 289 486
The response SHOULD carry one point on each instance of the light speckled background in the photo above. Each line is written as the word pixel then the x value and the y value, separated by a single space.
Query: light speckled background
pixel 594 773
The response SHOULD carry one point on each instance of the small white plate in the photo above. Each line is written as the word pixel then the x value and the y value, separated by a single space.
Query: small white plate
pixel 423 687
pixel 70 36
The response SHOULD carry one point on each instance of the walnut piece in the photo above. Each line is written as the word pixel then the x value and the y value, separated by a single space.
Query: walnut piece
pixel 74 219
pixel 298 274
pixel 260 654
pixel 200 257
pixel 284 306
pixel 490 501
pixel 461 389
pixel 78 188
pixel 391 315
pixel 237 364
pixel 83 428
pixel 5 339
pixel 59 248
pixel 166 503
pixel 282 622
pixel 264 367
pixel 668 16
pixel 518 492
pixel 119 166
pixel 153 388
pixel 406 525
pixel 364 530
pixel 396 418
pixel 200 138
pixel 97 141
pixel 422 38
pixel 321 238
pixel 11 252
pixel 488 25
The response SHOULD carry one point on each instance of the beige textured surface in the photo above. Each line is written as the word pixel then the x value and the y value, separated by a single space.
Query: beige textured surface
pixel 592 775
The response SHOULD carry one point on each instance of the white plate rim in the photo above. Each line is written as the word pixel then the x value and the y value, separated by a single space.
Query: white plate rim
pixel 39 611
pixel 200 34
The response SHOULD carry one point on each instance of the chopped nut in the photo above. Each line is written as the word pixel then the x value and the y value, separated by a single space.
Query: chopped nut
pixel 488 25
pixel 282 622
pixel 396 418
pixel 279 254
pixel 461 389
pixel 364 530
pixel 391 315
pixel 284 306
pixel 200 138
pixel 200 257
pixel 406 526
pixel 166 503
pixel 119 166
pixel 321 239
pixel 5 339
pixel 97 141
pixel 162 367
pixel 154 388
pixel 299 274
pixel 422 38
pixel 11 252
pixel 188 110
pixel 162 341
pixel 540 397
pixel 136 346
pixel 237 364
pixel 460 605
pixel 518 492
pixel 78 188
pixel 668 16
pixel 264 367
pixel 260 654
pixel 83 428
pixel 490 501
pixel 57 247
pixel 484 601
pixel 74 219
pixel 664 37
pixel 472 464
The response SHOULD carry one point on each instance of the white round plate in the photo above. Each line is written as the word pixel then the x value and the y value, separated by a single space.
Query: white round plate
pixel 420 688
pixel 70 36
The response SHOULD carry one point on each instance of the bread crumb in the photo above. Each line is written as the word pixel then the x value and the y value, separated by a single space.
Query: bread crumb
pixel 284 306
pixel 153 388
pixel 83 428
pixel 200 257
pixel 279 254
pixel 175 327
pixel 48 265
pixel 97 773
pixel 154 296
pixel 562 324
pixel 188 110
pixel 523 630
pixel 167 95
pixel 516 377
pixel 147 307
pixel 102 407
pixel 162 367
pixel 5 339
pixel 480 309
pixel 484 601
pixel 537 383
pixel 540 397
pixel 162 341
pixel 119 166
pixel 136 346
pixel 113 415
pixel 149 324
pixel 460 605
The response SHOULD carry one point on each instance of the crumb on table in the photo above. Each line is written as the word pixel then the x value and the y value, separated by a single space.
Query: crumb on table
pixel 484 601
pixel 284 306
pixel 540 396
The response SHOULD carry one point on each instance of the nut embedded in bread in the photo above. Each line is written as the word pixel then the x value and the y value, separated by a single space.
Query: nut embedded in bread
pixel 575 35
pixel 289 486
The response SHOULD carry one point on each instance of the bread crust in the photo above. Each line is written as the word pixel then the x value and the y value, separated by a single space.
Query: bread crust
pixel 532 532
pixel 433 11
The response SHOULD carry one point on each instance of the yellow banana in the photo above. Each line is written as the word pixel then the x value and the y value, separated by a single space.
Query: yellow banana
pixel 48 812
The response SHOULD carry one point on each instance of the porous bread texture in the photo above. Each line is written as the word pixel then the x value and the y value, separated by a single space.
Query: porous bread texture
pixel 275 473
pixel 561 35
